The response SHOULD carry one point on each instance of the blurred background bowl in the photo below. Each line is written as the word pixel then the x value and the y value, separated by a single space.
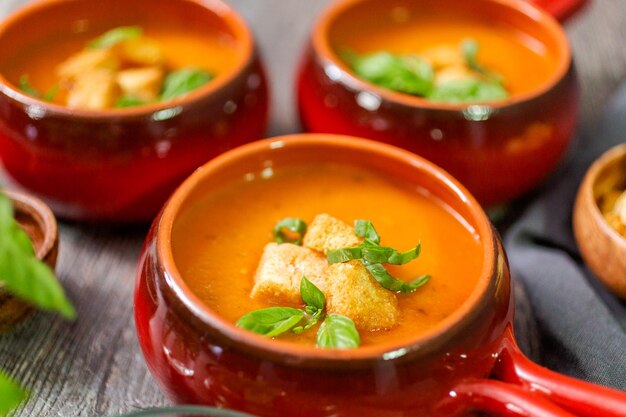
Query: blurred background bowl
pixel 602 248
pixel 498 150
pixel 121 164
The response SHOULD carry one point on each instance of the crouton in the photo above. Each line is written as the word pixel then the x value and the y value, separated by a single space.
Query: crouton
pixel 328 233
pixel 141 52
pixel 351 291
pixel 444 56
pixel 280 271
pixel 95 90
pixel 141 83
pixel 454 74
pixel 87 61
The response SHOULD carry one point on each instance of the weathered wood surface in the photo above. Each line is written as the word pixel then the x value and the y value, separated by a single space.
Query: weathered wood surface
pixel 93 367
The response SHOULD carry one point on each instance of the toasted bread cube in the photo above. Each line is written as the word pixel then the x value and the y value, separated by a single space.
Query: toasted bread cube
pixel 351 291
pixel 452 74
pixel 94 90
pixel 86 61
pixel 141 52
pixel 141 83
pixel 620 208
pixel 328 233
pixel 444 56
pixel 280 271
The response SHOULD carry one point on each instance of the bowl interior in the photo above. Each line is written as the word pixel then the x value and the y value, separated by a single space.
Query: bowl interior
pixel 511 35
pixel 192 33
pixel 304 150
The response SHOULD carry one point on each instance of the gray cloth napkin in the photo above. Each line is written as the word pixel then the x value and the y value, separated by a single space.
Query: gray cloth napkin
pixel 580 326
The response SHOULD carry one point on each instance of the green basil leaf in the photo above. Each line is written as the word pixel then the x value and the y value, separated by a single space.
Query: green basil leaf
pixel 387 281
pixel 312 321
pixel 11 394
pixel 51 93
pixel 401 258
pixel 343 255
pixel 25 86
pixel 21 273
pixel 128 101
pixel 469 89
pixel 470 52
pixel 115 36
pixel 365 229
pixel 311 295
pixel 297 227
pixel 374 254
pixel 408 74
pixel 338 332
pixel 183 81
pixel 272 321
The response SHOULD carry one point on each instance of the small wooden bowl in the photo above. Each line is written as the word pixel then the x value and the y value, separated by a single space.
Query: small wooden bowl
pixel 37 220
pixel 602 248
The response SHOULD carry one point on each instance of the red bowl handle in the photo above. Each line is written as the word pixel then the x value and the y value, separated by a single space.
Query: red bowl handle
pixel 560 9
pixel 579 397
pixel 498 398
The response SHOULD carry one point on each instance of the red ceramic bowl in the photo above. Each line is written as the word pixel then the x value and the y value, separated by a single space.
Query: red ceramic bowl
pixel 122 164
pixel 498 150
pixel 197 357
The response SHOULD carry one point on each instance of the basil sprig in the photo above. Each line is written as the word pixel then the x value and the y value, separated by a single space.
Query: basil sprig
pixel 372 256
pixel 411 74
pixel 115 36
pixel 11 394
pixel 339 333
pixel 183 81
pixel 289 230
pixel 25 85
pixel 21 273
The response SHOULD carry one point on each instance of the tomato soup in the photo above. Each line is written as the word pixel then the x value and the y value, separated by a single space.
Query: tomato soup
pixel 524 62
pixel 218 242
pixel 195 45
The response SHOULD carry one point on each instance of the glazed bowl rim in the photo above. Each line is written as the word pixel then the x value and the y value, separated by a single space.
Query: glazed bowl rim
pixel 323 49
pixel 289 352
pixel 609 157
pixel 219 8
pixel 45 221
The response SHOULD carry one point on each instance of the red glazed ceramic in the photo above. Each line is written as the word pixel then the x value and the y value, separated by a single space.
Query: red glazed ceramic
pixel 469 362
pixel 498 150
pixel 122 164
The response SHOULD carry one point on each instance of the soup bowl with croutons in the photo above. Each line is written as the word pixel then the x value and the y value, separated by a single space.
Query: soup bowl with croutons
pixel 106 106
pixel 322 275
pixel 486 89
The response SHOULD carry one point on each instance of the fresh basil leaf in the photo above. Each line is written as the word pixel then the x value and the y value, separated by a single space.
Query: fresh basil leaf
pixel 470 52
pixel 128 101
pixel 312 321
pixel 272 321
pixel 25 86
pixel 365 229
pixel 401 258
pixel 311 295
pixel 51 93
pixel 21 273
pixel 374 254
pixel 295 226
pixel 343 255
pixel 180 82
pixel 469 89
pixel 11 394
pixel 408 74
pixel 387 281
pixel 338 332
pixel 115 36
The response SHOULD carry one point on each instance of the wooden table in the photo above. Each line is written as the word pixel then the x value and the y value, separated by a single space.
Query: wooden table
pixel 93 366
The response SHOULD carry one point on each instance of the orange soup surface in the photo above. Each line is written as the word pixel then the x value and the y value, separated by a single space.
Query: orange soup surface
pixel 196 47
pixel 218 241
pixel 525 63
